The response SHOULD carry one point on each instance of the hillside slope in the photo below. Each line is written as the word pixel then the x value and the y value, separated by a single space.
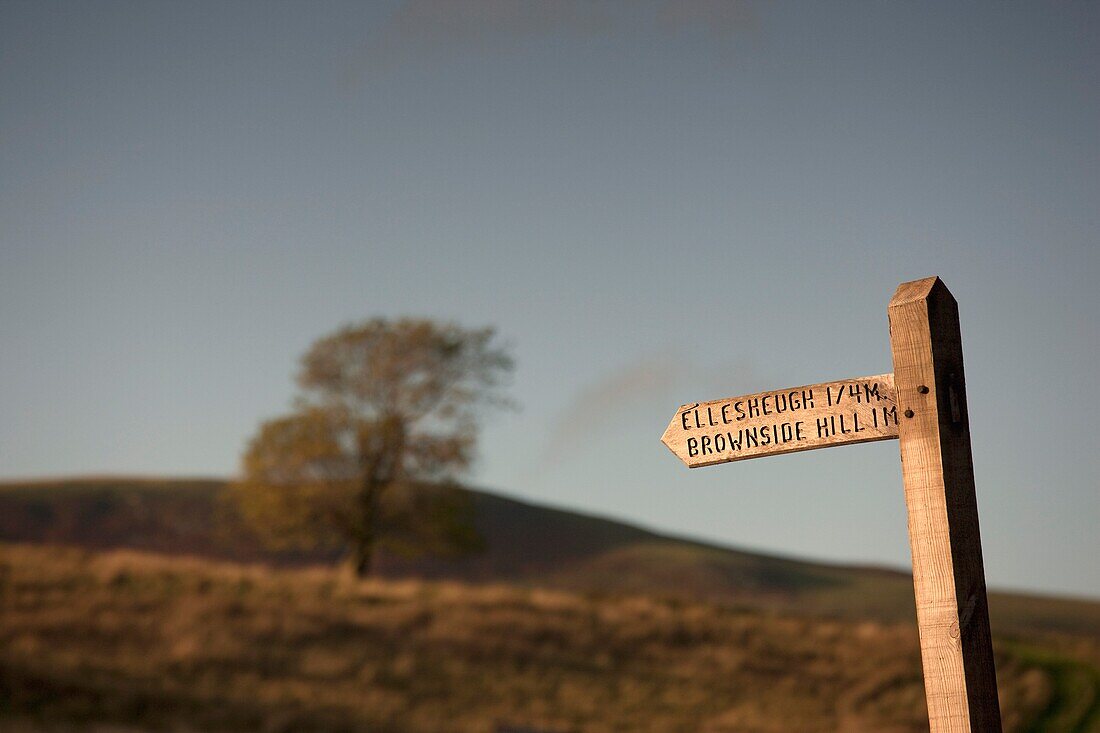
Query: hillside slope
pixel 128 641
pixel 526 545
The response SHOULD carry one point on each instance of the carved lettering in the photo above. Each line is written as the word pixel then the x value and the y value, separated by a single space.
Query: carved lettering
pixel 855 410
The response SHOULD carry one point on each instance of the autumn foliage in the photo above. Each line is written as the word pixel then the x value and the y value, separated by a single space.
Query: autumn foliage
pixel 385 421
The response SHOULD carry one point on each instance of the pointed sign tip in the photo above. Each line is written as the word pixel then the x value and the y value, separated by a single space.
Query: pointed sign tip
pixel 668 438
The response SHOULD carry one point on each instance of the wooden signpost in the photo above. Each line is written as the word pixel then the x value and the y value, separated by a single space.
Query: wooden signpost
pixel 923 405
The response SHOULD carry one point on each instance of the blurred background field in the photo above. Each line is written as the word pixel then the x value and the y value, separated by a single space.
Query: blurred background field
pixel 119 611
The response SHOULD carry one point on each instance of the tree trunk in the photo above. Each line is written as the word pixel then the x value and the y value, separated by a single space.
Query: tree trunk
pixel 362 558
pixel 367 531
pixel 380 461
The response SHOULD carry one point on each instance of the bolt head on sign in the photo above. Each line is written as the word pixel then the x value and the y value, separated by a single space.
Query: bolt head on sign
pixel 784 421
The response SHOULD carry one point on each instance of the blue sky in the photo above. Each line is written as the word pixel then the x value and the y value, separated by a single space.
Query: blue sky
pixel 654 202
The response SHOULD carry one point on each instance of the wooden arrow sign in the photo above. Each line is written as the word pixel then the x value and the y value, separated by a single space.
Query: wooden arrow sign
pixel 784 421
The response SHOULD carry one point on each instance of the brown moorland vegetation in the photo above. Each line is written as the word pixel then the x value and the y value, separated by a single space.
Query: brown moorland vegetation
pixel 145 642
pixel 525 544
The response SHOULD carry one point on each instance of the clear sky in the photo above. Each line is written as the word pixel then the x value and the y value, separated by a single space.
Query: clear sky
pixel 655 202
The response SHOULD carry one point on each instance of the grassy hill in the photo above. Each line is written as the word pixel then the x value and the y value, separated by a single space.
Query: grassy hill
pixel 526 545
pixel 165 614
pixel 124 641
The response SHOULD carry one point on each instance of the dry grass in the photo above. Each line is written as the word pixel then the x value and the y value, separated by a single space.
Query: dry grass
pixel 143 642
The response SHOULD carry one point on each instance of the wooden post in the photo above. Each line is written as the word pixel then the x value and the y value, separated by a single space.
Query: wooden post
pixel 937 467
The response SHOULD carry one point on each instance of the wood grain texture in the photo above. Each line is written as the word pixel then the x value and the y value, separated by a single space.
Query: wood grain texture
pixel 784 421
pixel 937 467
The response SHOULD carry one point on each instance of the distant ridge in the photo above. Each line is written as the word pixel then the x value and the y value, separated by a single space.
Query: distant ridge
pixel 527 544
